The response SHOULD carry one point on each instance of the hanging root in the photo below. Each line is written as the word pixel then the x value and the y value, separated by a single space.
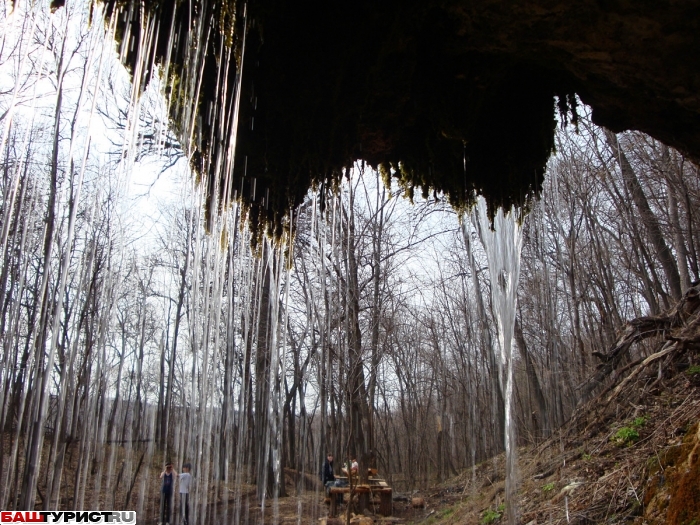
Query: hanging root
pixel 679 326
pixel 667 349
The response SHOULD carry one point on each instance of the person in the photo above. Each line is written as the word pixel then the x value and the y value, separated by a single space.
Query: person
pixel 354 466
pixel 328 477
pixel 185 479
pixel 327 474
pixel 166 492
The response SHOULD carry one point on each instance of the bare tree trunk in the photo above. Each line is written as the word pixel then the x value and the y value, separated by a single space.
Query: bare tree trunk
pixel 689 209
pixel 176 332
pixel 377 306
pixel 678 240
pixel 497 401
pixel 230 346
pixel 533 381
pixel 357 395
pixel 27 500
pixel 263 464
pixel 648 218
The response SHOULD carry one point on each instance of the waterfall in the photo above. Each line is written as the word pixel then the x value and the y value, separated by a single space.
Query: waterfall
pixel 503 244
pixel 200 340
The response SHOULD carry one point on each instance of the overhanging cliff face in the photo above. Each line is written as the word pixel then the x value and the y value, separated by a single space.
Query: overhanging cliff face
pixel 455 95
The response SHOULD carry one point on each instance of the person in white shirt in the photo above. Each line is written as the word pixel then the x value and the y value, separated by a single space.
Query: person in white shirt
pixel 185 482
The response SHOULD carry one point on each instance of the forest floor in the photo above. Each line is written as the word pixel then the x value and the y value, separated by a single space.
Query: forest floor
pixel 634 460
pixel 629 455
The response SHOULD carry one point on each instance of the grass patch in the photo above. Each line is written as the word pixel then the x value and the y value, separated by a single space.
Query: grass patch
pixel 693 370
pixel 490 516
pixel 640 421
pixel 548 487
pixel 625 437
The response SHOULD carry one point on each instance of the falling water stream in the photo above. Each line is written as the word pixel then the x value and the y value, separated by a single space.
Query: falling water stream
pixel 503 243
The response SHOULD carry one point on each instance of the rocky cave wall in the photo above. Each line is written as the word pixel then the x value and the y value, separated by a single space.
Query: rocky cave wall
pixel 450 95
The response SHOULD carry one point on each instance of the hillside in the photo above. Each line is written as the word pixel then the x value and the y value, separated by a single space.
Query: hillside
pixel 629 455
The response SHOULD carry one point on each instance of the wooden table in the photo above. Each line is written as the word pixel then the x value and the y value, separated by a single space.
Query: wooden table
pixel 375 486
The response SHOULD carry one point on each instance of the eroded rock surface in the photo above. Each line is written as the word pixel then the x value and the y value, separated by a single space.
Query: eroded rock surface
pixel 453 95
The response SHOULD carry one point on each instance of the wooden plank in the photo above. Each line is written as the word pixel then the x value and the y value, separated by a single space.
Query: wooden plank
pixel 385 497
pixel 385 503
pixel 363 489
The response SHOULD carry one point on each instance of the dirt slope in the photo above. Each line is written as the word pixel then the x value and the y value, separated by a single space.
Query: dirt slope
pixel 630 455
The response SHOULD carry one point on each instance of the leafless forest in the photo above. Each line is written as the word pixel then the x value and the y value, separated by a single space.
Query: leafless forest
pixel 369 331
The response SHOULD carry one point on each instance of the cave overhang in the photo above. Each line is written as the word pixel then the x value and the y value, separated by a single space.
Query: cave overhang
pixel 453 96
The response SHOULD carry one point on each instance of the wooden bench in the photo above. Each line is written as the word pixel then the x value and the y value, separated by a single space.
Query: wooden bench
pixel 381 488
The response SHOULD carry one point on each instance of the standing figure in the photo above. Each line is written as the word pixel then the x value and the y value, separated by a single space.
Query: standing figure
pixel 166 493
pixel 185 481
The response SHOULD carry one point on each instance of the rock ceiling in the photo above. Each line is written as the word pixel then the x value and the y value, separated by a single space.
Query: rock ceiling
pixel 450 95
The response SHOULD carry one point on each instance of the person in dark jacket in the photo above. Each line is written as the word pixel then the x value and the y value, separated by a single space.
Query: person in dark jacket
pixel 166 492
pixel 328 477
